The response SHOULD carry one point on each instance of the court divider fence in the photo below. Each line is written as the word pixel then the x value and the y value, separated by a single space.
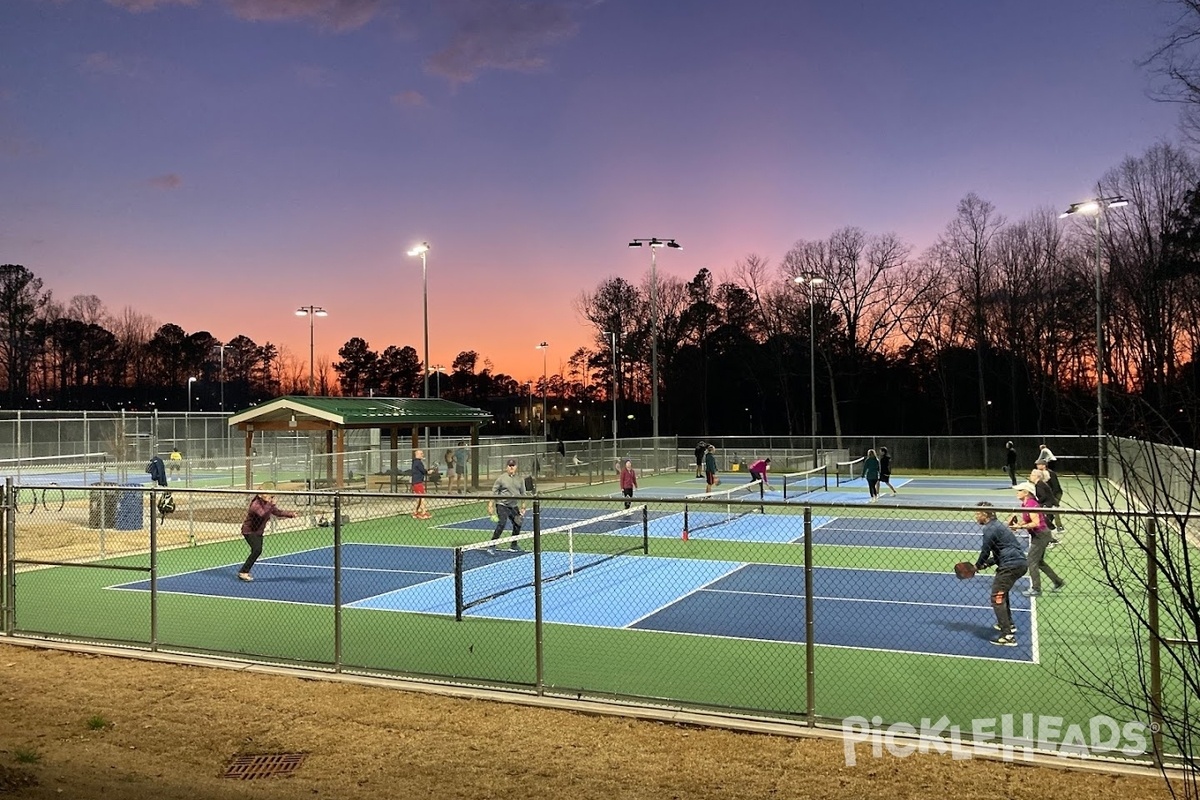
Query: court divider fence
pixel 818 611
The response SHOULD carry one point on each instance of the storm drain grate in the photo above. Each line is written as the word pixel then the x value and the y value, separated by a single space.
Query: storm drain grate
pixel 263 766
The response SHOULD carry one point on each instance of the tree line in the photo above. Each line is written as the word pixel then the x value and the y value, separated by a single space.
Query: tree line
pixel 991 330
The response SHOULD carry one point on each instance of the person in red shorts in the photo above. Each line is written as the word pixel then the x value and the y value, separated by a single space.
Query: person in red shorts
pixel 419 474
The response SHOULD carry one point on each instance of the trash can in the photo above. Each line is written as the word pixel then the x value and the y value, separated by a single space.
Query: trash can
pixel 102 507
pixel 129 510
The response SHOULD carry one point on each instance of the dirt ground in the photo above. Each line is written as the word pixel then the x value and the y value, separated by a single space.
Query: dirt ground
pixel 92 726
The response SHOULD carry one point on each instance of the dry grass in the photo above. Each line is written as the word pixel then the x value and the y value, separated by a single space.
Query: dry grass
pixel 171 729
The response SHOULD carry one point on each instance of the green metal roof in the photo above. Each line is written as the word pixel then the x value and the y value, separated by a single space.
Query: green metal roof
pixel 360 412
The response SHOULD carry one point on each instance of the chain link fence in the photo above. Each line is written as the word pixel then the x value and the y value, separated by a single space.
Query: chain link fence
pixel 822 609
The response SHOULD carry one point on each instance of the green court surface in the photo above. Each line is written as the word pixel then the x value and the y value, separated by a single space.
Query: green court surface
pixel 1071 640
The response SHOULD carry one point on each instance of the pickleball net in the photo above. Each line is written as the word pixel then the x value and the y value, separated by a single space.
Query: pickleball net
pixel 798 484
pixel 709 509
pixel 846 471
pixel 484 571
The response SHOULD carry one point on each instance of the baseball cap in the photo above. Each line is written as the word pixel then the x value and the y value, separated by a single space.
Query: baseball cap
pixel 512 462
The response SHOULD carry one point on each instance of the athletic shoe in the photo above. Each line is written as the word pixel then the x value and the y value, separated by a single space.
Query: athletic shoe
pixel 244 576
pixel 1058 587
pixel 1006 640
pixel 996 627
pixel 491 551
pixel 1032 593
pixel 516 549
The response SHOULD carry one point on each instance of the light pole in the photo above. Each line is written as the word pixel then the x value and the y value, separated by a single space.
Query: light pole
pixel 529 416
pixel 613 337
pixel 1096 208
pixel 222 368
pixel 189 391
pixel 436 369
pixel 812 281
pixel 311 312
pixel 421 250
pixel 654 244
pixel 543 347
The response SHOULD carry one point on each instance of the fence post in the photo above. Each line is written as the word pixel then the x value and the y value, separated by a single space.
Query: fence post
pixel 8 573
pixel 538 642
pixel 153 567
pixel 810 679
pixel 1156 721
pixel 337 581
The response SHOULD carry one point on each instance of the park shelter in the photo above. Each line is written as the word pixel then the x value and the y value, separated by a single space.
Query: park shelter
pixel 333 416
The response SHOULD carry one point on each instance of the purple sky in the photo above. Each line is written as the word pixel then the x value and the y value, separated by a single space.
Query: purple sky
pixel 217 163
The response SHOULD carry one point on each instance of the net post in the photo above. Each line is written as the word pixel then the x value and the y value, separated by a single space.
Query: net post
pixel 645 530
pixel 685 521
pixel 762 495
pixel 458 584
pixel 538 642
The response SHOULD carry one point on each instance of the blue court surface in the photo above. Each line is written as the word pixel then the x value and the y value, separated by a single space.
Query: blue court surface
pixel 922 534
pixel 69 480
pixel 914 612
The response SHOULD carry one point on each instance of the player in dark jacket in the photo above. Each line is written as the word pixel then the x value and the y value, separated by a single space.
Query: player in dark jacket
pixel 1002 550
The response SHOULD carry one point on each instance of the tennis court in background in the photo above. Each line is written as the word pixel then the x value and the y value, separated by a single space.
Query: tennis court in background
pixel 888 610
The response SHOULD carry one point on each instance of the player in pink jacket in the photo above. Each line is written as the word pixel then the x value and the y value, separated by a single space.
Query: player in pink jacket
pixel 628 482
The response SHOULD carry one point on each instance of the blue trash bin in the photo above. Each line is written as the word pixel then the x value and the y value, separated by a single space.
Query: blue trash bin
pixel 129 510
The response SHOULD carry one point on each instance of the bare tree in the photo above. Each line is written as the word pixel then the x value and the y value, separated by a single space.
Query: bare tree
pixel 863 290
pixel 966 251
pixel 1146 330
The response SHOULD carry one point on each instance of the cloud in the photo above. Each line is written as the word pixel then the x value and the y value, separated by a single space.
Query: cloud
pixel 313 77
pixel 410 99
pixel 501 34
pixel 168 183
pixel 338 15
pixel 139 6
pixel 101 63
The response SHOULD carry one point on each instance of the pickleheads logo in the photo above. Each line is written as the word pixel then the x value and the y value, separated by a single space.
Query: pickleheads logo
pixel 1009 737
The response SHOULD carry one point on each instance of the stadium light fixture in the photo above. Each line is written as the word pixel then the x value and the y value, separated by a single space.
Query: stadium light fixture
pixel 654 244
pixel 543 346
pixel 811 281
pixel 1096 208
pixel 311 312
pixel 422 250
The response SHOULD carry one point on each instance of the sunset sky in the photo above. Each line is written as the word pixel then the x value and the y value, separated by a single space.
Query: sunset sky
pixel 218 163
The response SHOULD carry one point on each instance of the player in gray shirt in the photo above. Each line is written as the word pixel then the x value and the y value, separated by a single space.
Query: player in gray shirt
pixel 509 489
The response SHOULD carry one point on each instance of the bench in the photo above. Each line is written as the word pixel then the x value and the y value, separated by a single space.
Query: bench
pixel 382 483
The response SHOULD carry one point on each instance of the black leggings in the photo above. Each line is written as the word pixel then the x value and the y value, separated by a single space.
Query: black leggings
pixel 255 540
